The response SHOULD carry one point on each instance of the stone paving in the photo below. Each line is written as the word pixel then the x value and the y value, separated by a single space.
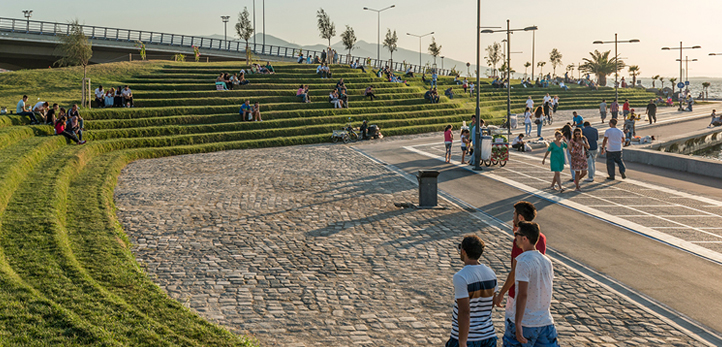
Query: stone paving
pixel 303 246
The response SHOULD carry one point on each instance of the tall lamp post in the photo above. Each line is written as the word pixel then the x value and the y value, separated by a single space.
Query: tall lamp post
pixel 442 62
pixel 616 60
pixel 533 48
pixel 420 37
pixel 686 69
pixel 28 14
pixel 225 28
pixel 508 68
pixel 680 48
pixel 378 33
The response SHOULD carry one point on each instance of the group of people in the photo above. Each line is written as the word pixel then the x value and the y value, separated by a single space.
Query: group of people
pixel 387 73
pixel 540 115
pixel 262 69
pixel 527 313
pixel 323 71
pixel 328 56
pixel 68 124
pixel 339 95
pixel 227 82
pixel 432 95
pixel 120 97
pixel 250 112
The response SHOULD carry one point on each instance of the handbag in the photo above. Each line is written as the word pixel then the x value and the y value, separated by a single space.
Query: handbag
pixel 537 121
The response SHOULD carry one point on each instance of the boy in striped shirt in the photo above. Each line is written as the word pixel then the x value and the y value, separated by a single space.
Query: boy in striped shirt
pixel 474 288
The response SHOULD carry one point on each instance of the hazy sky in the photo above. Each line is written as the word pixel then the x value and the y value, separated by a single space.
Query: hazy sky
pixel 568 25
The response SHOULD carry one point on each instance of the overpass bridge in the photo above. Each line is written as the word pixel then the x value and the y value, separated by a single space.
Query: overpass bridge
pixel 28 44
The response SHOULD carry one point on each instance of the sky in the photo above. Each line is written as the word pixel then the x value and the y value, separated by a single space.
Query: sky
pixel 567 25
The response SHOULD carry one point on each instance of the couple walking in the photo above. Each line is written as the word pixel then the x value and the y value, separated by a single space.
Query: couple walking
pixel 528 319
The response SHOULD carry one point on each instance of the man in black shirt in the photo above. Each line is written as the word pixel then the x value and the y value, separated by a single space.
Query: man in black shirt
pixel 652 111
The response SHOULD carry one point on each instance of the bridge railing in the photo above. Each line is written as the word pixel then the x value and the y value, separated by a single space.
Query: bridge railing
pixel 156 38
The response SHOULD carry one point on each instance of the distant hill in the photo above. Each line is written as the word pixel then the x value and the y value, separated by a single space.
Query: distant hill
pixel 365 49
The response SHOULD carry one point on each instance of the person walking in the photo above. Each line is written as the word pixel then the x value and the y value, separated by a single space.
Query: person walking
pixel 592 136
pixel 603 110
pixel 474 288
pixel 531 323
pixel 538 120
pixel 577 150
pixel 448 139
pixel 527 121
pixel 567 132
pixel 557 149
pixel 614 109
pixel 530 103
pixel 612 145
pixel 625 108
pixel 652 111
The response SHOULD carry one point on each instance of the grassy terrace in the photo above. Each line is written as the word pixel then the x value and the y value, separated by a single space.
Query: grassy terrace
pixel 67 273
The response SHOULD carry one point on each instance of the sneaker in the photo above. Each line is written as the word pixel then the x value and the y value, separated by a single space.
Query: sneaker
pixel 81 142
pixel 589 180
pixel 571 180
pixel 610 178
pixel 623 175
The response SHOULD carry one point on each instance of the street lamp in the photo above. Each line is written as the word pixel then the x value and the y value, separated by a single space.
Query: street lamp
pixel 686 69
pixel 378 37
pixel 442 62
pixel 225 28
pixel 680 48
pixel 420 36
pixel 28 14
pixel 616 60
pixel 508 67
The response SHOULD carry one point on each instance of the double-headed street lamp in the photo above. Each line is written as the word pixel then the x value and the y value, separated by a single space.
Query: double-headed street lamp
pixel 28 14
pixel 508 68
pixel 680 48
pixel 686 69
pixel 616 60
pixel 378 37
pixel 420 36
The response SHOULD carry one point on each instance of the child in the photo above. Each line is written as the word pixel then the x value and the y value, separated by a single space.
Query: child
pixel 464 144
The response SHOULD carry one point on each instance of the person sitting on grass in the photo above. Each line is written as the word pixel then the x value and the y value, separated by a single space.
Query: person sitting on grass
pixel 234 80
pixel 270 68
pixel 333 98
pixel 320 71
pixel 127 96
pixel 300 58
pixel 340 85
pixel 23 110
pixel 40 109
pixel 245 111
pixel 430 95
pixel 227 81
pixel 343 96
pixel 50 117
pixel 301 93
pixel 327 69
pixel 60 128
pixel 356 65
pixel 76 123
pixel 518 143
pixel 220 84
pixel 449 93
pixel 242 80
pixel 409 73
pixel 109 97
pixel 316 59
pixel 100 97
pixel 256 112
pixel 369 92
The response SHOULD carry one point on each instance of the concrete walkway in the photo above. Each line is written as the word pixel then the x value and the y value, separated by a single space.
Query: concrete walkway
pixel 302 246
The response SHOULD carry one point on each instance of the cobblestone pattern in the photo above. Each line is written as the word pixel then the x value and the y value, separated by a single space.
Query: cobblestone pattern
pixel 302 246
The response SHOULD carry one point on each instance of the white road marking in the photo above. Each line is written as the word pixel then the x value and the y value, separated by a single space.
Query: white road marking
pixel 634 227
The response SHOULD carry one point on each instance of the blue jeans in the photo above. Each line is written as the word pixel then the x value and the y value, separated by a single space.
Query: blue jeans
pixel 538 129
pixel 569 161
pixel 433 83
pixel 490 342
pixel 527 128
pixel 592 162
pixel 29 114
pixel 538 336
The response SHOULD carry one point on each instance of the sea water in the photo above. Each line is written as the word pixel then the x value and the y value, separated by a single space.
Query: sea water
pixel 695 85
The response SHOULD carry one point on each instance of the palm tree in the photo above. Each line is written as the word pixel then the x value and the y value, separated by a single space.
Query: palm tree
pixel 526 66
pixel 601 65
pixel 540 65
pixel 672 80
pixel 661 80
pixel 634 70
pixel 555 58
pixel 654 79
pixel 571 67
pixel 705 88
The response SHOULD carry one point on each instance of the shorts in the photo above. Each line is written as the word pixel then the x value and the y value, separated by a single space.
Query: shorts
pixel 464 149
pixel 545 336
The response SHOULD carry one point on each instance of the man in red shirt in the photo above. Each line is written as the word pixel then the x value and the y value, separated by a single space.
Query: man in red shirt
pixel 625 108
pixel 523 211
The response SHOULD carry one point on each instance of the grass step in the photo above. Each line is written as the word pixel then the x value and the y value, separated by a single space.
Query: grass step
pixel 313 85
pixel 265 100
pixel 381 88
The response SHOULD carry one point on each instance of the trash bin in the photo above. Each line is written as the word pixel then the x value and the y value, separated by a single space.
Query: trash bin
pixel 428 188
pixel 486 147
pixel 514 121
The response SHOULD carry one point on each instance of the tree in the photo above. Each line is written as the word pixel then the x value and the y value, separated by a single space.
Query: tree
pixel 434 49
pixel 526 66
pixel 244 29
pixel 76 50
pixel 661 80
pixel 555 58
pixel 571 67
pixel 705 88
pixel 390 43
pixel 634 71
pixel 540 65
pixel 326 28
pixel 348 38
pixel 494 55
pixel 601 65
pixel 654 79
pixel 671 81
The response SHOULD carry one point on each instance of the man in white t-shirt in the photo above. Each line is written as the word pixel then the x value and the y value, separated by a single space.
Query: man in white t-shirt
pixel 530 104
pixel 100 96
pixel 474 288
pixel 40 108
pixel 547 98
pixel 530 323
pixel 612 144
pixel 23 110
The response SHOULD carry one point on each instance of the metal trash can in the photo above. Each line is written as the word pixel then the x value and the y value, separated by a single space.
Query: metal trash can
pixel 428 188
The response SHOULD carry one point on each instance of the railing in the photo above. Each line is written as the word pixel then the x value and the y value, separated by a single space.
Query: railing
pixel 154 38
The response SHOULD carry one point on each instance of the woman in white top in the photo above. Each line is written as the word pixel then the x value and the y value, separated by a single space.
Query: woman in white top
pixel 527 121
pixel 337 103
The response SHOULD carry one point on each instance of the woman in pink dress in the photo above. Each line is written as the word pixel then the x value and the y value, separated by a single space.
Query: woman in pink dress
pixel 578 146
pixel 448 139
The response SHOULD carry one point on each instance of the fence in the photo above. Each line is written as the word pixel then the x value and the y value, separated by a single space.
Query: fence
pixel 164 39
